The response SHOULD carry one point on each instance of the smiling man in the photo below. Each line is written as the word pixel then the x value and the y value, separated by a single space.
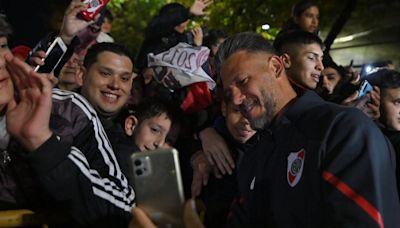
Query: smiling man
pixel 108 76
pixel 301 53
pixel 107 83
pixel 316 164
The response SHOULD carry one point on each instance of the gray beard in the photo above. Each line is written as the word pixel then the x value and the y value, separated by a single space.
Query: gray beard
pixel 265 118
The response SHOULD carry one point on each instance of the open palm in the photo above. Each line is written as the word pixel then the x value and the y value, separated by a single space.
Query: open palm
pixel 28 117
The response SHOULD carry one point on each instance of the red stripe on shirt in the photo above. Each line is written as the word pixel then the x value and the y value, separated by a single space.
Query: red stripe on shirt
pixel 358 199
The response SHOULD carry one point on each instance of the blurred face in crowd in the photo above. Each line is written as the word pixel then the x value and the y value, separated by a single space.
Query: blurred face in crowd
pixel 249 81
pixel 172 135
pixel 181 27
pixel 106 26
pixel 214 47
pixel 390 108
pixel 238 126
pixel 136 91
pixel 330 78
pixel 6 86
pixel 309 19
pixel 107 83
pixel 304 65
pixel 150 133
pixel 71 74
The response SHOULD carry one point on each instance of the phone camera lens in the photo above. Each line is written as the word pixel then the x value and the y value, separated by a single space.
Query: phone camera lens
pixel 138 162
pixel 139 172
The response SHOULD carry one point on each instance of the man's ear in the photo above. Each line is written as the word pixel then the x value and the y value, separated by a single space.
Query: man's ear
pixel 130 124
pixel 84 73
pixel 276 63
pixel 79 78
pixel 286 60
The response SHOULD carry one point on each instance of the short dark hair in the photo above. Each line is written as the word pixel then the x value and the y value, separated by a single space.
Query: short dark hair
pixel 5 28
pixel 385 79
pixel 246 41
pixel 150 107
pixel 213 36
pixel 286 40
pixel 108 15
pixel 96 49
pixel 302 6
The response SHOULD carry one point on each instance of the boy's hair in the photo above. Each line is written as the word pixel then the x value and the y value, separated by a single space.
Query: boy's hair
pixel 151 107
pixel 95 50
pixel 108 15
pixel 213 36
pixel 287 42
pixel 5 28
pixel 385 79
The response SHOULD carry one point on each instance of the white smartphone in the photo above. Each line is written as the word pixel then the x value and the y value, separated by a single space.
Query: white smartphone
pixel 53 57
pixel 158 186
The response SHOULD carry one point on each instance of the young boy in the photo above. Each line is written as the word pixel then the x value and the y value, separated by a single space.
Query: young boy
pixel 301 53
pixel 149 123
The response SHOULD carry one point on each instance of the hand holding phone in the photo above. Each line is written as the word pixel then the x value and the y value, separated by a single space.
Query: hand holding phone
pixel 93 8
pixel 53 57
pixel 158 186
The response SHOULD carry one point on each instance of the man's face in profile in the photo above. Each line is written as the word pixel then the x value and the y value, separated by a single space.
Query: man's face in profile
pixel 248 82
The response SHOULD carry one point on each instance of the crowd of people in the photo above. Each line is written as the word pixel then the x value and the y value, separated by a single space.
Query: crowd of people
pixel 270 133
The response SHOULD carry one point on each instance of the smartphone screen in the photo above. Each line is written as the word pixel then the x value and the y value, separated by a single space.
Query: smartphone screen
pixel 54 55
pixel 364 88
pixel 158 186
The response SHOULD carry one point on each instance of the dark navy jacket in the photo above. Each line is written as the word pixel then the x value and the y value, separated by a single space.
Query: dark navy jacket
pixel 318 165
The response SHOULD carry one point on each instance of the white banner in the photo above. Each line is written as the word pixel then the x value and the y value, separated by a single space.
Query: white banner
pixel 181 66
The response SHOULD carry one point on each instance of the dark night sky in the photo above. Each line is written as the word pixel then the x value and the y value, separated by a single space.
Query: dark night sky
pixel 29 19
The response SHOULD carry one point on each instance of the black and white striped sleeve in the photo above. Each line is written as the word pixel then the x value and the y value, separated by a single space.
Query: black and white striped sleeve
pixel 77 165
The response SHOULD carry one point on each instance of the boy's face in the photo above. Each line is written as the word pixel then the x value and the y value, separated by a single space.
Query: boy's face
pixel 6 86
pixel 107 83
pixel 306 65
pixel 150 134
pixel 390 108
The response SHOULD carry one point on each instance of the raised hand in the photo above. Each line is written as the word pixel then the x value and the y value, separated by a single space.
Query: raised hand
pixel 198 7
pixel 373 104
pixel 28 118
pixel 197 36
pixel 72 24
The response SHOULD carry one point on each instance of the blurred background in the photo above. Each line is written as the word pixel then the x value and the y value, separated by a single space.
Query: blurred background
pixel 371 33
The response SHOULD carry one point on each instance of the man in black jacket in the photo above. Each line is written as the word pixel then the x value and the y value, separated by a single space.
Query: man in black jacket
pixel 316 164
pixel 71 149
